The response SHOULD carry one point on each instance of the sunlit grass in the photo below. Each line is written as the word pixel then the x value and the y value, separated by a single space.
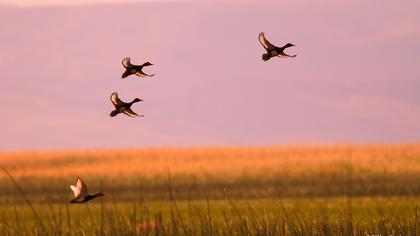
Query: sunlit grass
pixel 320 190
pixel 214 161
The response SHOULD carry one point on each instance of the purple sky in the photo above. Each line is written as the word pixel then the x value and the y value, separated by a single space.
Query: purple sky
pixel 356 77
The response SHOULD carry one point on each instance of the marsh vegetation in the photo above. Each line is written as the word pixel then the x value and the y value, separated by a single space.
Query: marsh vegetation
pixel 318 190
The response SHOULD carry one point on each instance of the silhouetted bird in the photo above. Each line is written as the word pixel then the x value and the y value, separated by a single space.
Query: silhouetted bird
pixel 80 192
pixel 131 69
pixel 122 107
pixel 273 51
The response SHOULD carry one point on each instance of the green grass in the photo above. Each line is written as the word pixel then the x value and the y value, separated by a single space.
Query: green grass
pixel 296 216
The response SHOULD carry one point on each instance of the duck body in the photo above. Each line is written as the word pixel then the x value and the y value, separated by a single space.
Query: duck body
pixel 277 51
pixel 272 50
pixel 86 198
pixel 80 192
pixel 122 107
pixel 131 69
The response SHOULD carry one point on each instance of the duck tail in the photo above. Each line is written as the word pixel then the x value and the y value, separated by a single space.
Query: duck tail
pixel 113 113
pixel 266 56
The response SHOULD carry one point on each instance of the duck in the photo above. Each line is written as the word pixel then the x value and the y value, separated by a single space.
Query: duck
pixel 131 69
pixel 80 192
pixel 272 50
pixel 123 107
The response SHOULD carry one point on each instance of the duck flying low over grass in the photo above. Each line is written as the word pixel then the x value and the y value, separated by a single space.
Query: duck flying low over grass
pixel 273 51
pixel 80 192
pixel 123 107
pixel 131 69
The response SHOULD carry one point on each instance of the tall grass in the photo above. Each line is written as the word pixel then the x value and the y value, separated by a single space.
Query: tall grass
pixel 22 193
pixel 252 217
pixel 350 190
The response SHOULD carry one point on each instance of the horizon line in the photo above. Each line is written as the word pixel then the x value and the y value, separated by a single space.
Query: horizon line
pixel 198 147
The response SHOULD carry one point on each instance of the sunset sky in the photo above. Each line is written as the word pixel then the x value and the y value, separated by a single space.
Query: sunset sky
pixel 356 78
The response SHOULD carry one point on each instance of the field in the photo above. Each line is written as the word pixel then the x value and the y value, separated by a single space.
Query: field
pixel 296 190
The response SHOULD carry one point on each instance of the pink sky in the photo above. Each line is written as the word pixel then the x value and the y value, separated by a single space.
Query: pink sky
pixel 32 3
pixel 355 79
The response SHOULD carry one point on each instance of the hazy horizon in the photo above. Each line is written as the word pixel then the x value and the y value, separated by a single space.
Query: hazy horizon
pixel 355 78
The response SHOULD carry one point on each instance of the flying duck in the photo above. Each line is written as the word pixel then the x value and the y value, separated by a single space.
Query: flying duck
pixel 273 51
pixel 131 69
pixel 80 192
pixel 122 107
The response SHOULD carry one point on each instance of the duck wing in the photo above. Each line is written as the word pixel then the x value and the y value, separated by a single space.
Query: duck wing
pixel 76 191
pixel 286 55
pixel 142 74
pixel 265 43
pixel 130 113
pixel 126 63
pixel 126 73
pixel 115 100
pixel 81 187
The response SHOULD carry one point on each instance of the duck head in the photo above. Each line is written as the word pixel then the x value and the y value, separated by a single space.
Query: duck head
pixel 137 100
pixel 289 45
pixel 147 64
pixel 266 56
pixel 100 194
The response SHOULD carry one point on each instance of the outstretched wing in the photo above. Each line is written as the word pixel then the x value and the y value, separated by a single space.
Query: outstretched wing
pixel 126 74
pixel 126 62
pixel 264 42
pixel 286 55
pixel 115 100
pixel 76 191
pixel 130 113
pixel 81 186
pixel 142 74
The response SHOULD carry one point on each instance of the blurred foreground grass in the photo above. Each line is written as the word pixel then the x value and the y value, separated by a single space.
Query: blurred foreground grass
pixel 296 216
pixel 319 190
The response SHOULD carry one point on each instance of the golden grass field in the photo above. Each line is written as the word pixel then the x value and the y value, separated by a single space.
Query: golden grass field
pixel 294 160
pixel 340 186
